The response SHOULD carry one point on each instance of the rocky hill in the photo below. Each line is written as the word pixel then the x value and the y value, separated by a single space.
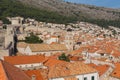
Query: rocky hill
pixel 79 10
pixel 59 11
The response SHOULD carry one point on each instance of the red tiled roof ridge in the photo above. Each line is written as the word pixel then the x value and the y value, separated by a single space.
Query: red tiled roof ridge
pixel 14 73
pixel 3 69
pixel 15 60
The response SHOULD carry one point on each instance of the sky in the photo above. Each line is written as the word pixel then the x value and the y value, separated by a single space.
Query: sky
pixel 102 3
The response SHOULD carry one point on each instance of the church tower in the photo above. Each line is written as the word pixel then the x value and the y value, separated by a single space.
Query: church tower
pixel 69 41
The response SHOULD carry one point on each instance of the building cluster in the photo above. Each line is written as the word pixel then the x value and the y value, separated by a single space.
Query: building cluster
pixel 93 51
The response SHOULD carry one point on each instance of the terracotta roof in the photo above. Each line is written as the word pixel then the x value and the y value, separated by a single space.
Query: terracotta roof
pixel 47 47
pixel 105 46
pixel 100 68
pixel 10 72
pixel 44 73
pixel 55 56
pixel 116 53
pixel 52 62
pixel 36 73
pixel 69 69
pixel 54 37
pixel 15 60
pixel 116 72
pixel 54 43
pixel 70 78
pixel 102 59
pixel 75 58
pixel 3 75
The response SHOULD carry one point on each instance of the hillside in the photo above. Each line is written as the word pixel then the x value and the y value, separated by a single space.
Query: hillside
pixel 78 10
pixel 58 11
pixel 19 9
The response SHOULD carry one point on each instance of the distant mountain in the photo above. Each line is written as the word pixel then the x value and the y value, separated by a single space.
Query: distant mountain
pixel 79 10
pixel 59 11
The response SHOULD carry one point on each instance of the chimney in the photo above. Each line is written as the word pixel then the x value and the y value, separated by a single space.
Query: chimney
pixel 33 77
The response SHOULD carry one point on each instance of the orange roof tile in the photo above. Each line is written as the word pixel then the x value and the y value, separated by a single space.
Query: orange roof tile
pixel 36 73
pixel 100 68
pixel 116 53
pixel 10 72
pixel 116 72
pixel 70 78
pixel 15 60
pixel 52 62
pixel 54 37
pixel 75 58
pixel 69 69
pixel 54 43
pixel 44 73
pixel 3 75
pixel 55 56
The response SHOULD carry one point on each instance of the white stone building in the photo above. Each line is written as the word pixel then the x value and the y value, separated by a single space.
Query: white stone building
pixel 52 39
pixel 16 20
pixel 45 49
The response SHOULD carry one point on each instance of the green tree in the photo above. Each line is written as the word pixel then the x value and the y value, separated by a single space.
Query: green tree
pixel 33 39
pixel 64 57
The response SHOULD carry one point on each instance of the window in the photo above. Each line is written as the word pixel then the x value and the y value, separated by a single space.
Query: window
pixel 85 78
pixel 20 66
pixel 92 78
pixel 26 66
pixel 102 54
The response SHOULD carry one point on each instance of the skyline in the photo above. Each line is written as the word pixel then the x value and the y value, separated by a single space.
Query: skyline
pixel 101 3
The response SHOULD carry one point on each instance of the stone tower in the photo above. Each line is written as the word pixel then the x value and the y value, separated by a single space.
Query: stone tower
pixel 9 36
pixel 69 41
pixel 10 43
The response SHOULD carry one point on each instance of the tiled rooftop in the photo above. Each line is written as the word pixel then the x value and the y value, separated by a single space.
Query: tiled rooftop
pixel 69 69
pixel 16 60
pixel 116 72
pixel 100 68
pixel 47 47
pixel 10 72
pixel 35 73
pixel 52 62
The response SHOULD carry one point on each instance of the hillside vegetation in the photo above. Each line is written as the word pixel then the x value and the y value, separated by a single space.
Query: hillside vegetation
pixel 57 11
pixel 14 8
